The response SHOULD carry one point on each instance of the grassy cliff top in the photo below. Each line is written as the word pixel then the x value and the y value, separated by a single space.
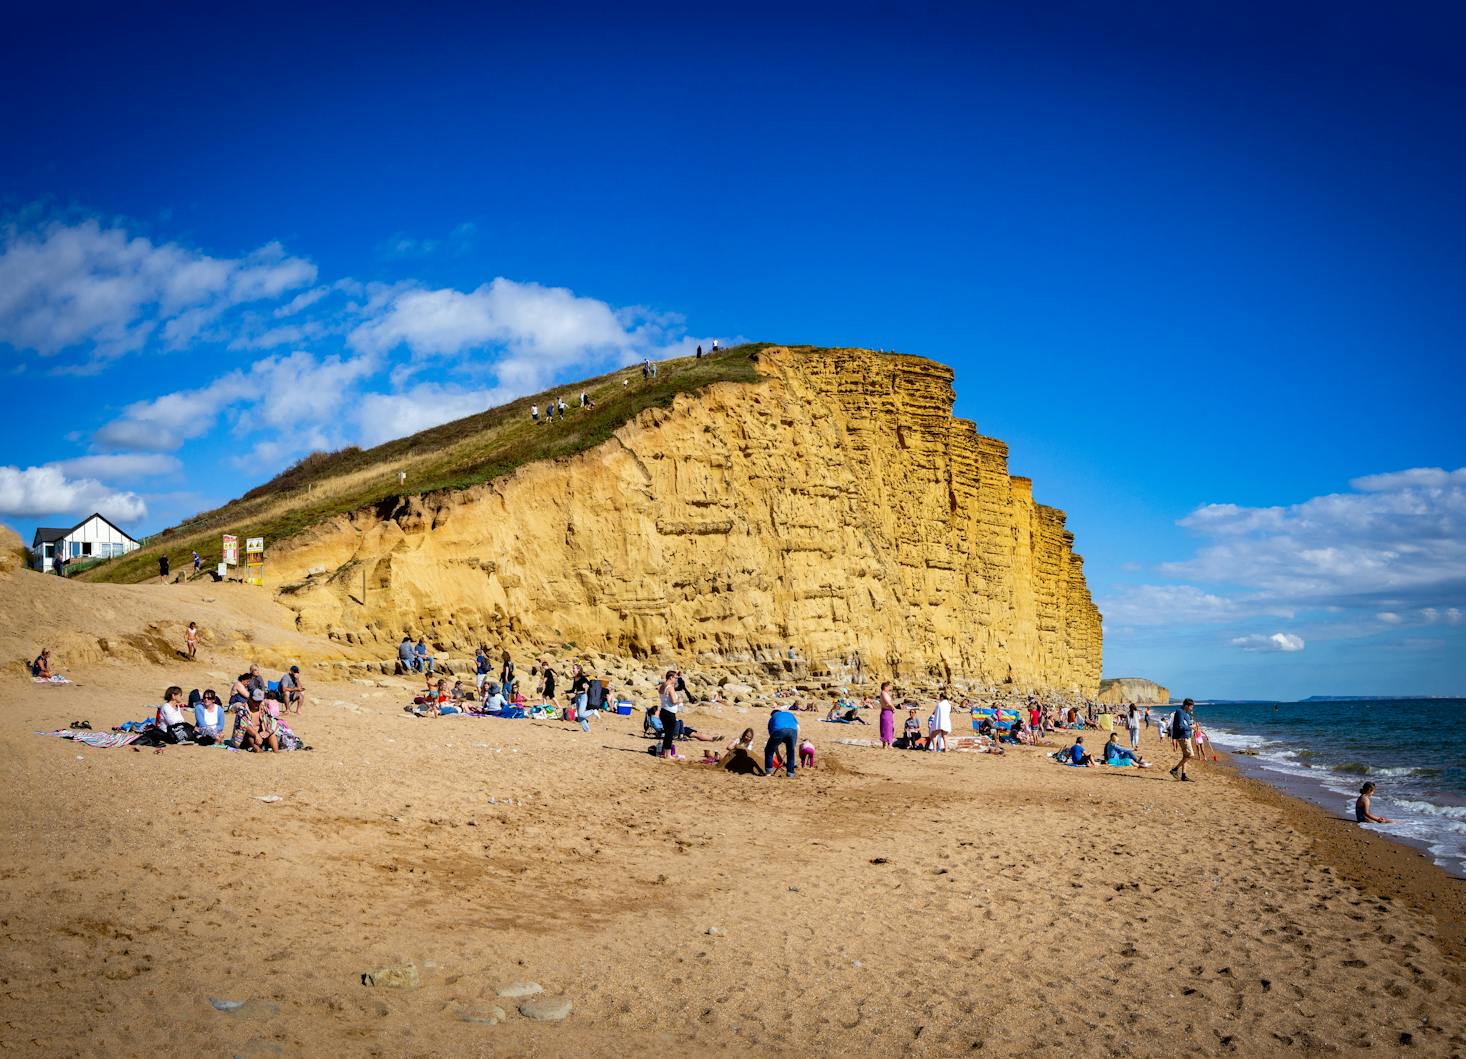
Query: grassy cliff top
pixel 466 452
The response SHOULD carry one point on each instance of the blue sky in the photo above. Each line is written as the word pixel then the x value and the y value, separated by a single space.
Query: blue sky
pixel 1203 272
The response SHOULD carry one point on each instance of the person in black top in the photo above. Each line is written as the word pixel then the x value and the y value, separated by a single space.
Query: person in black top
pixel 549 684
pixel 163 566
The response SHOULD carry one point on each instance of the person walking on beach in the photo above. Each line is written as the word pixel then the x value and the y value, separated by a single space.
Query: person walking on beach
pixel 1181 738
pixel 191 640
pixel 888 716
pixel 1362 815
pixel 1132 723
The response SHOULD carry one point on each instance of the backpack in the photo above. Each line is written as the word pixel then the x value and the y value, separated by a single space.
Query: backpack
pixel 1177 731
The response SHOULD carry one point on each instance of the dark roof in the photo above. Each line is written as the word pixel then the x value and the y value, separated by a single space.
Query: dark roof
pixel 50 535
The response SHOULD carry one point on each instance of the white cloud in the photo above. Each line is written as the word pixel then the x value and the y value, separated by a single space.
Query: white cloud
pixel 539 330
pixel 286 394
pixel 1167 604
pixel 1390 552
pixel 120 466
pixel 1401 536
pixel 384 416
pixel 37 491
pixel 1278 641
pixel 1415 478
pixel 83 285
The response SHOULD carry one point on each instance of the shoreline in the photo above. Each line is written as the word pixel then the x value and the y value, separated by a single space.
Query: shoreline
pixel 1377 862
pixel 1311 793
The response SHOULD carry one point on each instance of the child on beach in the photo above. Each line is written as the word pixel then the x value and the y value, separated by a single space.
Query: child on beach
pixel 191 639
pixel 1362 815
pixel 806 754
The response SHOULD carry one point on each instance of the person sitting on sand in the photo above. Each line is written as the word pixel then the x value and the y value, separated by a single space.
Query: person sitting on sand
pixel 1362 815
pixel 292 691
pixel 806 754
pixel 257 731
pixel 1077 755
pixel 41 667
pixel 494 700
pixel 170 719
pixel 845 713
pixel 912 730
pixel 1115 754
pixel 208 717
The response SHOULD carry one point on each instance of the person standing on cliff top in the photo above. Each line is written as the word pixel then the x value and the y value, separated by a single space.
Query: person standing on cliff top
pixel 534 414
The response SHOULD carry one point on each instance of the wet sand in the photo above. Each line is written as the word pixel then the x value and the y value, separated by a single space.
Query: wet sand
pixel 885 903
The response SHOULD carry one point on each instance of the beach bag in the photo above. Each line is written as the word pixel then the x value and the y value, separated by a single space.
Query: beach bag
pixel 1176 732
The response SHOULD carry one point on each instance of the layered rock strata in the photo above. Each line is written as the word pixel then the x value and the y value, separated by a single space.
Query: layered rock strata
pixel 1117 691
pixel 836 507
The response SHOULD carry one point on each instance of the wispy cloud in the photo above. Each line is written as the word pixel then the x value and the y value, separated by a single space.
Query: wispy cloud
pixel 1390 552
pixel 105 292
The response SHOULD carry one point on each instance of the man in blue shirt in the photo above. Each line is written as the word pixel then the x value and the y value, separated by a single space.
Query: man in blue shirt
pixel 423 659
pixel 783 734
pixel 1181 735
pixel 404 653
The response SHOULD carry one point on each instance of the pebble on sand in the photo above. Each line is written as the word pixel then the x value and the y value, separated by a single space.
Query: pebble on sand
pixel 402 976
pixel 483 1014
pixel 546 1009
pixel 515 990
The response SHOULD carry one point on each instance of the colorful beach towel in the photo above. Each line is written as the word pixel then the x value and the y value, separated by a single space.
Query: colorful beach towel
pixel 57 679
pixel 97 740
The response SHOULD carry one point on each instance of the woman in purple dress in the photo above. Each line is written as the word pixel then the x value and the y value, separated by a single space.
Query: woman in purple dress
pixel 888 717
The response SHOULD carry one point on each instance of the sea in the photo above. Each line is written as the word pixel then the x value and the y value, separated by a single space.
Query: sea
pixel 1324 750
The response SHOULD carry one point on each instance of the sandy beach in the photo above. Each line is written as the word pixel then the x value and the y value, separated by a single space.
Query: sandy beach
pixel 884 903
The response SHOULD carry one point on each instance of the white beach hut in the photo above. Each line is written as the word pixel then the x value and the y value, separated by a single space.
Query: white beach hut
pixel 91 538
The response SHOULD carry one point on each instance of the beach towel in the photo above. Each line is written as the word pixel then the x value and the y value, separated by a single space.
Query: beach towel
pixel 98 740
pixel 55 679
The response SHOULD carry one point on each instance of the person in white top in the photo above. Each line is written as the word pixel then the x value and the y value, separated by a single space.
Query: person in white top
pixel 670 706
pixel 170 717
pixel 941 724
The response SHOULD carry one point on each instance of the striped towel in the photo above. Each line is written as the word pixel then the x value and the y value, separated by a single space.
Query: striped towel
pixel 98 740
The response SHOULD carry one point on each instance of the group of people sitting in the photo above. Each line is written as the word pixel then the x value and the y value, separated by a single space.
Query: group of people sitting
pixel 255 715
pixel 1111 754
pixel 588 695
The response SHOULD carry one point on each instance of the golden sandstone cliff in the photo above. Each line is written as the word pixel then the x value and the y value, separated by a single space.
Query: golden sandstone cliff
pixel 1118 691
pixel 836 507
